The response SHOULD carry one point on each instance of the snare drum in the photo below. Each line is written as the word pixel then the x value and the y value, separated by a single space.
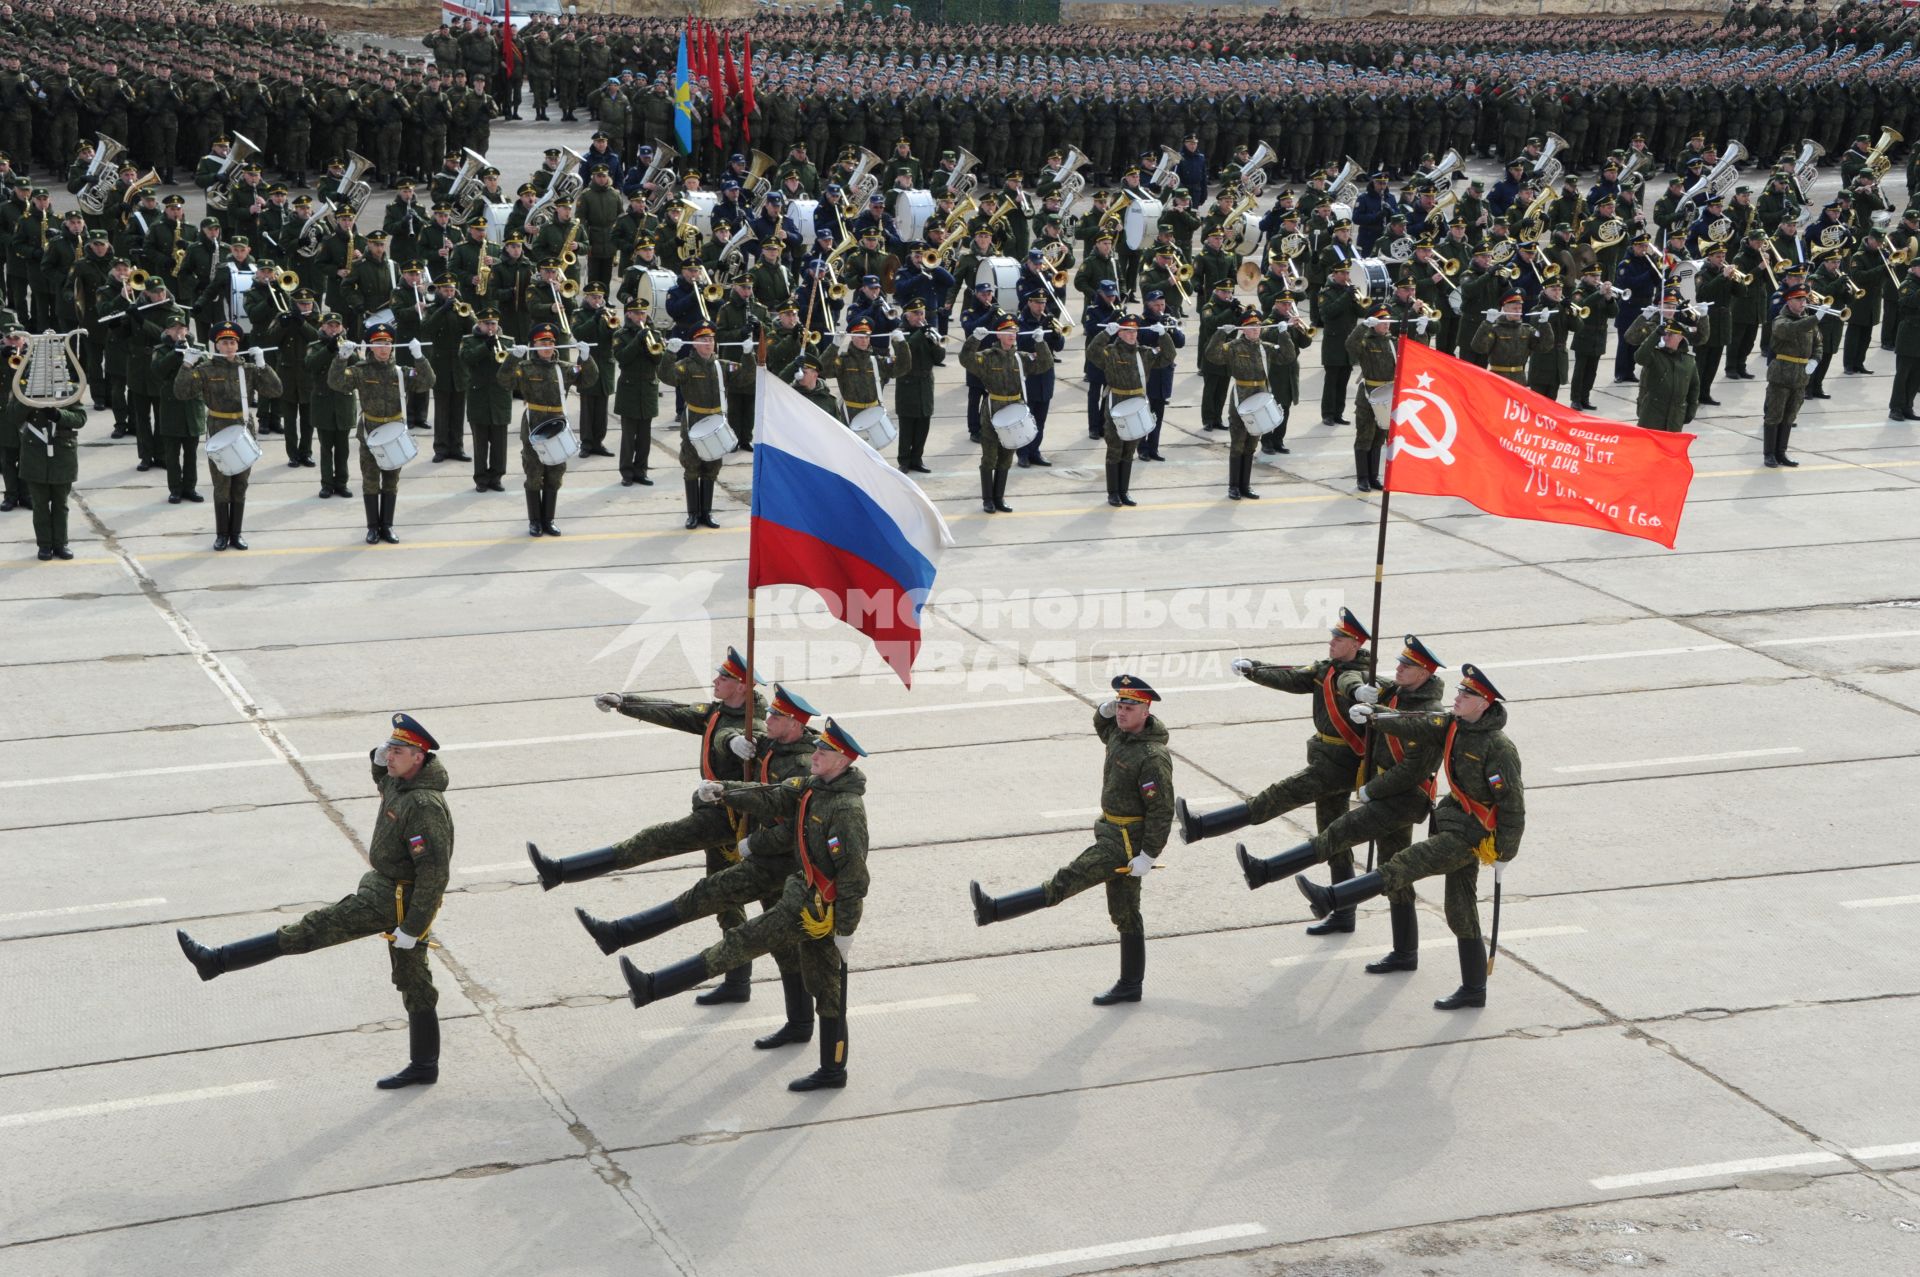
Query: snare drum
pixel 553 440
pixel 233 451
pixel 391 446
pixel 1015 426
pixel 875 426
pixel 1260 413
pixel 1132 418
pixel 711 437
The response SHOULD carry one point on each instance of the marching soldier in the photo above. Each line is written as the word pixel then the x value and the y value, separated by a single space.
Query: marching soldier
pixel 994 357
pixel 595 325
pixel 1508 338
pixel 1370 345
pixel 222 385
pixel 1590 335
pixel 398 897
pixel 1136 815
pixel 1796 345
pixel 1669 392
pixel 535 375
pixel 334 411
pixel 1245 352
pixel 489 405
pixel 1480 821
pixel 913 388
pixel 823 816
pixel 636 353
pixel 382 385
pixel 1396 795
pixel 49 463
pixel 1124 363
pixel 699 375
pixel 1334 751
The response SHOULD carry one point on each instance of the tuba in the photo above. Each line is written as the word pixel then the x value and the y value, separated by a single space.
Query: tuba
pixel 221 189
pixel 962 184
pixel 465 192
pixel 1877 162
pixel 47 372
pixel 1547 168
pixel 1253 174
pixel 565 184
pixel 661 177
pixel 863 183
pixel 313 232
pixel 102 176
pixel 1443 173
pixel 1067 177
pixel 1163 172
pixel 1807 167
pixel 1344 188
pixel 1631 177
pixel 1719 181
pixel 758 184
pixel 354 192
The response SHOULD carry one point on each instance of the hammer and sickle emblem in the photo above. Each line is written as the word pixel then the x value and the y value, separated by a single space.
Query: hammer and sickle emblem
pixel 1410 411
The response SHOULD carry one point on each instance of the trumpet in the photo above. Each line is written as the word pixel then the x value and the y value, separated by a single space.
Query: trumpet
pixel 1583 312
pixel 286 281
pixel 1739 276
pixel 138 280
pixel 569 288
pixel 463 310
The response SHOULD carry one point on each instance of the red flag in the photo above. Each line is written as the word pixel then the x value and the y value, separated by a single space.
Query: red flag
pixel 746 88
pixel 1461 431
pixel 733 77
pixel 509 53
pixel 716 87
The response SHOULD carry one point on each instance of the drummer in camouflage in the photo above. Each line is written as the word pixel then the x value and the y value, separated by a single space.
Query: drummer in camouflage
pixel 222 383
pixel 535 373
pixel 383 385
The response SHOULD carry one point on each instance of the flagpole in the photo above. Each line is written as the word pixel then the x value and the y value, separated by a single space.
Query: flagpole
pixel 1380 570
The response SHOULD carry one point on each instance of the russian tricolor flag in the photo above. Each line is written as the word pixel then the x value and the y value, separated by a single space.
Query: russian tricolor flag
pixel 831 514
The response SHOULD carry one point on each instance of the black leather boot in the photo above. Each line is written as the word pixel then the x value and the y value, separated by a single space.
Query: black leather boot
pixel 1340 922
pixel 388 500
pixel 1113 484
pixel 1768 438
pixel 1209 823
pixel 1473 977
pixel 1133 969
pixel 236 516
pixel 423 1041
pixel 533 514
pixel 1780 447
pixel 693 502
pixel 988 908
pixel 1233 476
pixel 706 504
pixel 651 986
pixel 1259 871
pixel 1362 472
pixel 799 1025
pixel 588 864
pixel 1126 481
pixel 1405 955
pixel 986 491
pixel 1373 468
pixel 613 936
pixel 549 503
pixel 222 520
pixel 237 956
pixel 1340 898
pixel 737 987
pixel 372 501
pixel 1000 492
pixel 1246 478
pixel 832 1073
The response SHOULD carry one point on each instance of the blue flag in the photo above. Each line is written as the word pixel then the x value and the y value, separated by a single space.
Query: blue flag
pixel 683 100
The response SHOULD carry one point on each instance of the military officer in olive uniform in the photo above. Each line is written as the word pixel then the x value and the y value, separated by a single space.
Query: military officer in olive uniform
pixel 536 375
pixel 398 897
pixel 1397 795
pixel 1370 346
pixel 1480 821
pixel 823 817
pixel 49 463
pixel 1796 345
pixel 700 375
pixel 1136 815
pixel 382 385
pixel 1003 368
pixel 1124 363
pixel 489 405
pixel 1334 750
pixel 725 750
pixel 222 385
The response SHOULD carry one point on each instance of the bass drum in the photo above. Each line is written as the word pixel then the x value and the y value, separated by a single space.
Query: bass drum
pixel 1141 221
pixel 1243 237
pixel 911 212
pixel 1004 274
pixel 654 286
pixel 1372 278
pixel 703 202
pixel 802 211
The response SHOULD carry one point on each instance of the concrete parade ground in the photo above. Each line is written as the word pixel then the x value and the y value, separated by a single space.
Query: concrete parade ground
pixel 1696 1054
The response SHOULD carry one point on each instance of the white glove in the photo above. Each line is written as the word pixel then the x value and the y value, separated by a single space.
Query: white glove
pixel 741 747
pixel 745 851
pixel 1141 865
pixel 674 345
pixel 401 940
pixel 517 351
pixel 607 701
pixel 1420 324
pixel 415 349
pixel 1243 667
pixel 1111 330
pixel 1109 708
pixel 259 357
pixel 708 791
pixel 191 357
pixel 845 945
pixel 1361 713
pixel 1361 795
pixel 1367 694
pixel 380 756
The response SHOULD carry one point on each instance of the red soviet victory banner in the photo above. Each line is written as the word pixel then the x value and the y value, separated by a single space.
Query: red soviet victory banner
pixel 1461 431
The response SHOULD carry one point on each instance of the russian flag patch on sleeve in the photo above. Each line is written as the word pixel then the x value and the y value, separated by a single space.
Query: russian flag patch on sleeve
pixel 833 846
pixel 1148 788
pixel 417 845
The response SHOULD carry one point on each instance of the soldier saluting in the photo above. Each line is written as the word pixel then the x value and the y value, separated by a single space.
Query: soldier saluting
pixel 1333 752
pixel 1397 795
pixel 1136 815
pixel 1480 821
pixel 398 896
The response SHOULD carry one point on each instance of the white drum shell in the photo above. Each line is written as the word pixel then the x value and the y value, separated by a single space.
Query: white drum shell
pixel 654 286
pixel 703 202
pixel 1141 221
pixel 1260 413
pixel 1015 426
pixel 712 438
pixel 911 212
pixel 874 426
pixel 802 211
pixel 1004 274
pixel 391 446
pixel 1132 418
pixel 233 450
pixel 557 448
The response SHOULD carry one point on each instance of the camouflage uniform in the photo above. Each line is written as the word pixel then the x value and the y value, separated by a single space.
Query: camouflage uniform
pixel 1136 815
